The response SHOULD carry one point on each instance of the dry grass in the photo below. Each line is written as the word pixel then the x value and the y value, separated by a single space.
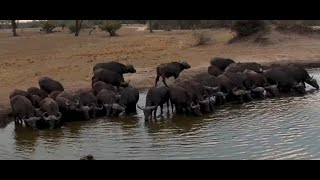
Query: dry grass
pixel 69 59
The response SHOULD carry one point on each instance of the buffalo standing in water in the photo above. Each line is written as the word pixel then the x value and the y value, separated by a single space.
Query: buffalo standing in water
pixel 129 99
pixel 23 111
pixel 51 114
pixel 156 96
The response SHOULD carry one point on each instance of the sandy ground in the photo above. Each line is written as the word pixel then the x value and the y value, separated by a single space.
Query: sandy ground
pixel 69 59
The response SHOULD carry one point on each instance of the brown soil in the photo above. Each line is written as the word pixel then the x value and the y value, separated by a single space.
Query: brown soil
pixel 69 59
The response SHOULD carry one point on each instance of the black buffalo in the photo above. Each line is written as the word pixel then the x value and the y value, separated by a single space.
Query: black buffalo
pixel 232 84
pixel 240 67
pixel 51 114
pixel 182 101
pixel 214 70
pixel 109 77
pixel 23 111
pixel 221 63
pixel 156 96
pixel 115 67
pixel 98 86
pixel 71 106
pixel 107 99
pixel 284 79
pixel 129 99
pixel 198 93
pixel 53 95
pixel 39 92
pixel 168 70
pixel 49 85
pixel 88 99
pixel 301 75
pixel 26 94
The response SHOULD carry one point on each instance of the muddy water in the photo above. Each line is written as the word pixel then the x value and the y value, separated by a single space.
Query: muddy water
pixel 282 128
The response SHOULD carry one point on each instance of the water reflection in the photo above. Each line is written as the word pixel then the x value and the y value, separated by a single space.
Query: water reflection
pixel 25 139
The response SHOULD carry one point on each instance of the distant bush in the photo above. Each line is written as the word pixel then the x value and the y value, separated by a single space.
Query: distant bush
pixel 111 27
pixel 295 28
pixel 85 26
pixel 72 28
pixel 244 28
pixel 201 37
pixel 62 25
pixel 189 24
pixel 48 27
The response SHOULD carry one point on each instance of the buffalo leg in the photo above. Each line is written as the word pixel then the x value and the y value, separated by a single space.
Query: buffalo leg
pixel 172 107
pixel 155 112
pixel 168 108
pixel 164 81
pixel 156 81
pixel 16 121
pixel 161 109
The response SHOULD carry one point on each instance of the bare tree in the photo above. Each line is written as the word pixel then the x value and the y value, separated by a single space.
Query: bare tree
pixel 78 27
pixel 14 27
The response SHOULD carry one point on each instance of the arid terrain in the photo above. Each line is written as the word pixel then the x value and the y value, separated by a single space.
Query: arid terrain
pixel 69 59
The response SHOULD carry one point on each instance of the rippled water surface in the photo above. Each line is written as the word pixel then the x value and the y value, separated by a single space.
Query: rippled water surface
pixel 282 128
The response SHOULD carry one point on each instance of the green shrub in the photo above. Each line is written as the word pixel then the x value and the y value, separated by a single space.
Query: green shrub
pixel 244 28
pixel 110 27
pixel 201 37
pixel 295 28
pixel 72 28
pixel 48 27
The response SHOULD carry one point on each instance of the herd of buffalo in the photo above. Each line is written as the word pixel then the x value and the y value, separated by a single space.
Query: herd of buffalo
pixel 50 105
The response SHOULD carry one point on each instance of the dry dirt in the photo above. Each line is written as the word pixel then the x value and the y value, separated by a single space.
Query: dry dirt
pixel 69 59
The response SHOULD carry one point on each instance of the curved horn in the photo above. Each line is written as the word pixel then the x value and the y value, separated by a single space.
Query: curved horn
pixel 77 102
pixel 140 107
pixel 238 92
pixel 211 88
pixel 99 107
pixel 204 101
pixel 194 106
pixel 118 107
pixel 107 105
pixel 68 102
pixel 45 117
pixel 59 116
pixel 258 89
pixel 146 108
